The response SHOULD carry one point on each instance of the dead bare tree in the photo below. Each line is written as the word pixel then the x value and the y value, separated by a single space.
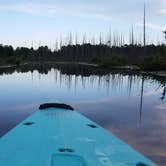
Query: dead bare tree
pixel 61 42
pixel 144 30
pixel 76 39
pixel 132 35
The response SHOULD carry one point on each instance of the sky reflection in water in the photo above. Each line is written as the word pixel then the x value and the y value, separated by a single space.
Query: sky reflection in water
pixel 129 106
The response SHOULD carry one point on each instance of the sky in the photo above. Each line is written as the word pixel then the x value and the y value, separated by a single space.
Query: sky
pixel 42 22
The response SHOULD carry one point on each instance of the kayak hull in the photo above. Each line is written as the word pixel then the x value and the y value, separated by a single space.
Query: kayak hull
pixel 56 136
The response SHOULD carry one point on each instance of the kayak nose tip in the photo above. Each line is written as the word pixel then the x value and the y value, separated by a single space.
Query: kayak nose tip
pixel 55 105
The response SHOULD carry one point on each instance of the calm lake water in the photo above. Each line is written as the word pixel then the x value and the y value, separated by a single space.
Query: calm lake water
pixel 131 106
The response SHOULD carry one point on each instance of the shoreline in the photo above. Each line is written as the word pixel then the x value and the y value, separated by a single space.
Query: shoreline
pixel 129 68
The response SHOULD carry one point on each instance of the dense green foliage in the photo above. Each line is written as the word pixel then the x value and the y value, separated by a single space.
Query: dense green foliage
pixel 150 57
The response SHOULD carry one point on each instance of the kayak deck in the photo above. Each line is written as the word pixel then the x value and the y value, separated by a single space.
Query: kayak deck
pixel 60 137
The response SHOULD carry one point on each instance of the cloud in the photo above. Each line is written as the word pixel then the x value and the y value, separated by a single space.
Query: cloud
pixel 52 10
pixel 30 9
pixel 152 26
pixel 161 106
pixel 162 11
pixel 152 92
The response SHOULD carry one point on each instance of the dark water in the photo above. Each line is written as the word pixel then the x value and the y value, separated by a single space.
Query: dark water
pixel 131 106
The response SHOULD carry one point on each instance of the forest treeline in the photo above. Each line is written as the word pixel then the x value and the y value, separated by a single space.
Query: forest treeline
pixel 150 57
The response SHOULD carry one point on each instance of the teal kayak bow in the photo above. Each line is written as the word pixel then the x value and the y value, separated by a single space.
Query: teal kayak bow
pixel 56 135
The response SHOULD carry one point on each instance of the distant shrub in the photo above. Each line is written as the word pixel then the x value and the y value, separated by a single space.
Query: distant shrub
pixel 153 63
pixel 114 60
pixel 16 60
pixel 95 60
